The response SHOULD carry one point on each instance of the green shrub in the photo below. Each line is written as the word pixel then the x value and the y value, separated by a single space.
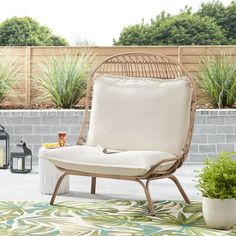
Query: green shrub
pixel 9 73
pixel 63 79
pixel 25 31
pixel 218 80
pixel 218 177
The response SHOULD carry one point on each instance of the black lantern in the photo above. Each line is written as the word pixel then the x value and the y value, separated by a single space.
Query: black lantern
pixel 21 159
pixel 4 148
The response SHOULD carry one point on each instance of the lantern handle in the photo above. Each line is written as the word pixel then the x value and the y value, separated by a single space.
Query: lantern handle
pixel 22 143
pixel 2 127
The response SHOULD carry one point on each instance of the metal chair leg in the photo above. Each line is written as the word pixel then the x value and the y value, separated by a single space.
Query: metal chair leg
pixel 148 196
pixel 57 188
pixel 177 183
pixel 93 185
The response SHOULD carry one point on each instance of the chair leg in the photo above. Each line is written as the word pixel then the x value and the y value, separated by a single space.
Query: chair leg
pixel 93 185
pixel 148 196
pixel 57 188
pixel 177 183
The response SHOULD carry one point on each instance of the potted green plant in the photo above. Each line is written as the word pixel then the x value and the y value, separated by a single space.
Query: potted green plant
pixel 217 182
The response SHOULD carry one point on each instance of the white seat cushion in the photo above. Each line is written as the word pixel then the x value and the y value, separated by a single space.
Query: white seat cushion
pixel 140 114
pixel 93 160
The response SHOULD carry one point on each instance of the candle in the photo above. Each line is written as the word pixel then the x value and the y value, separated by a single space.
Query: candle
pixel 19 164
pixel 1 158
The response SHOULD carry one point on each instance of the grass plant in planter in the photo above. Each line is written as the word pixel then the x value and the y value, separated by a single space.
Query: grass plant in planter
pixel 217 182
pixel 63 79
pixel 217 74
pixel 9 72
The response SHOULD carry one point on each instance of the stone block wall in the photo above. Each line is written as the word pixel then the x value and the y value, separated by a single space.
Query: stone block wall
pixel 214 130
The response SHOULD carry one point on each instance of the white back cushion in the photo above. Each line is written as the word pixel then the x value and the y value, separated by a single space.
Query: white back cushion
pixel 140 114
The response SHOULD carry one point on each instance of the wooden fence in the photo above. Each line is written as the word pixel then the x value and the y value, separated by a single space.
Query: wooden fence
pixel 29 58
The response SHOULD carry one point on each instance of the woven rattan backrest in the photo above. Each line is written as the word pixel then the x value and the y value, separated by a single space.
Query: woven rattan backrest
pixel 145 65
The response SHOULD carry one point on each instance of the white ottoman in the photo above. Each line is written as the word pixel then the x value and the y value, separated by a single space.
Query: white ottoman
pixel 48 176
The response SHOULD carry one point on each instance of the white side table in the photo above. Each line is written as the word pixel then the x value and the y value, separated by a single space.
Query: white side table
pixel 48 176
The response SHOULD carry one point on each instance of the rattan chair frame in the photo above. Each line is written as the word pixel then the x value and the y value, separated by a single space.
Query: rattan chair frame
pixel 137 65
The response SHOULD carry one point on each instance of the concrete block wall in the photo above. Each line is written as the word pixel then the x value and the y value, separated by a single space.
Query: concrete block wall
pixel 214 130
pixel 40 126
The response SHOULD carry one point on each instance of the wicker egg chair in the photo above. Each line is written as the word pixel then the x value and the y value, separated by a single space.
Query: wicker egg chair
pixel 137 65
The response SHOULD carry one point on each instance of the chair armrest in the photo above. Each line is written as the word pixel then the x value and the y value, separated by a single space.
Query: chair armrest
pixel 168 171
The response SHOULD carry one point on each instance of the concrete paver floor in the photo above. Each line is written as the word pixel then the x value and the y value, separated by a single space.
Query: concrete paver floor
pixel 26 187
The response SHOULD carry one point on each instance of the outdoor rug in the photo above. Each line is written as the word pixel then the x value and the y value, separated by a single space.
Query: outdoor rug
pixel 102 217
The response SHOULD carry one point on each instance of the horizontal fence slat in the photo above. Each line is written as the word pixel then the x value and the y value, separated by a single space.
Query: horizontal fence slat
pixel 103 51
pixel 14 51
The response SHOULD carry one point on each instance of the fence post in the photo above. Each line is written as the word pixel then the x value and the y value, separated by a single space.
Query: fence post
pixel 180 55
pixel 28 76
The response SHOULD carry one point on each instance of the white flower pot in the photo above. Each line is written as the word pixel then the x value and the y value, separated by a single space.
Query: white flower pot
pixel 219 214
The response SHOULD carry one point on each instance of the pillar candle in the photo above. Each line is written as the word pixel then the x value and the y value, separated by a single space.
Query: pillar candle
pixel 19 164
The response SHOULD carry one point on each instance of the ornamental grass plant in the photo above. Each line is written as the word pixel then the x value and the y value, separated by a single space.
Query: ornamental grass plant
pixel 63 79
pixel 218 79
pixel 217 180
pixel 9 72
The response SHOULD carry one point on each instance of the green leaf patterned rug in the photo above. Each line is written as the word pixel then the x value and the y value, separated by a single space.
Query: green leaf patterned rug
pixel 102 217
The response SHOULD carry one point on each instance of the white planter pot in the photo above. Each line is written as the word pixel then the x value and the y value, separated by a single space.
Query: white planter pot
pixel 219 214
